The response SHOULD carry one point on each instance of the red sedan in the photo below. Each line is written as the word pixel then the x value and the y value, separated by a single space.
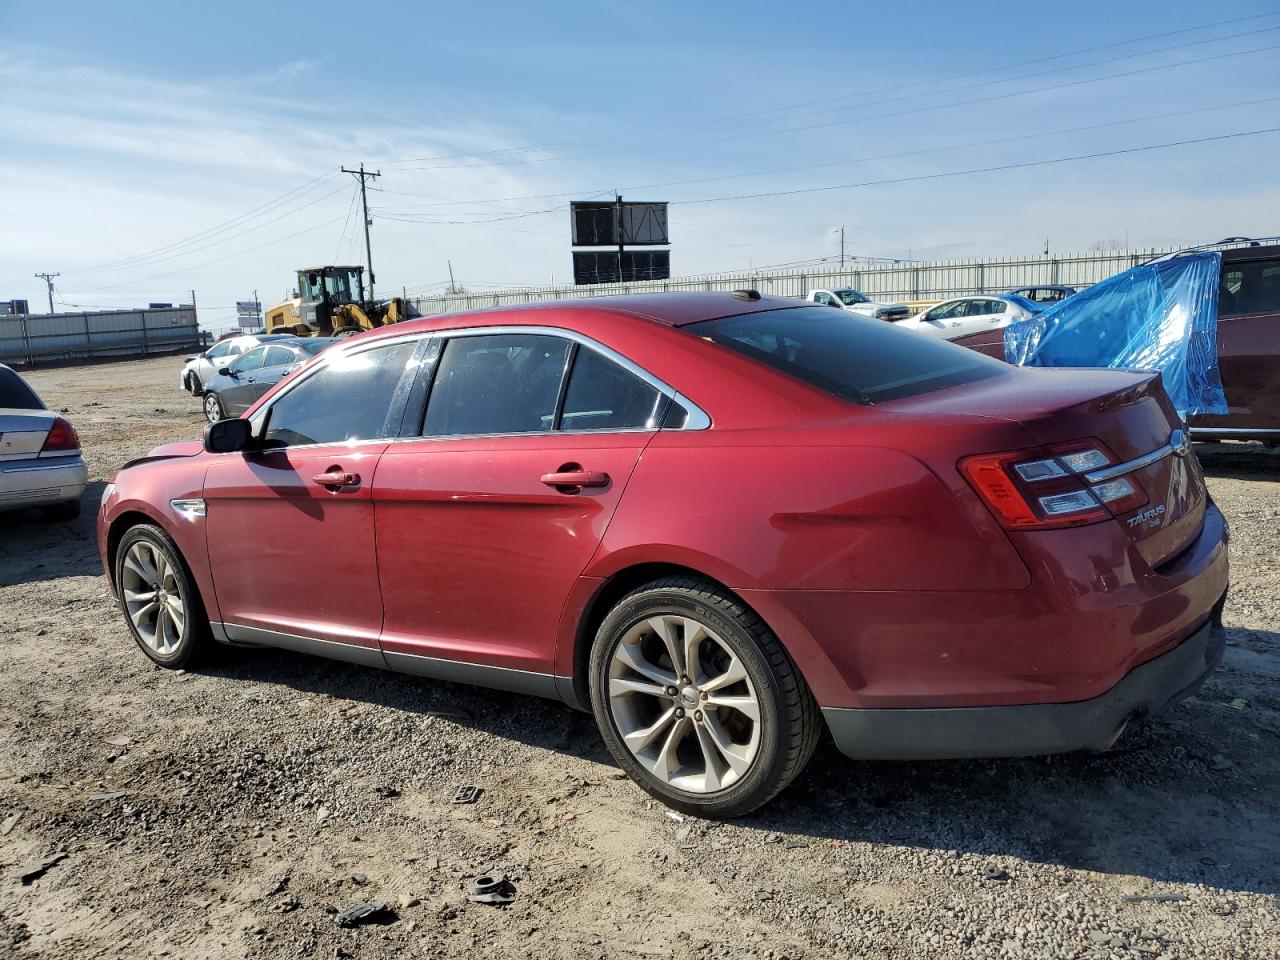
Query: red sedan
pixel 722 522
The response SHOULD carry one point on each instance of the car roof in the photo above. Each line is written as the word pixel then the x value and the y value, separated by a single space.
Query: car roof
pixel 668 309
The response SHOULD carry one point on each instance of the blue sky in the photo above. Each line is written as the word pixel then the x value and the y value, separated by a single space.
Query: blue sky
pixel 163 147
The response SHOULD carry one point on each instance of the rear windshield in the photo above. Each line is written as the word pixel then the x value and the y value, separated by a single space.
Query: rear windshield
pixel 16 395
pixel 852 357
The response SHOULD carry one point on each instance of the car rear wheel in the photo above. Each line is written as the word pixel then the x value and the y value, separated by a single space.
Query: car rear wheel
pixel 697 699
pixel 213 408
pixel 159 599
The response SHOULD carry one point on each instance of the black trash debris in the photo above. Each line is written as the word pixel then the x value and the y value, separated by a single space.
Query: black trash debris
pixel 360 914
pixel 994 872
pixel 467 793
pixel 1155 898
pixel 496 891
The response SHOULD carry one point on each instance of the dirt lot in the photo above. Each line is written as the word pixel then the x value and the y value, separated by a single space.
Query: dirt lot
pixel 256 795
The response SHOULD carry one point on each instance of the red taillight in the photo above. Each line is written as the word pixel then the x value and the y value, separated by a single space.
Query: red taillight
pixel 62 436
pixel 1047 488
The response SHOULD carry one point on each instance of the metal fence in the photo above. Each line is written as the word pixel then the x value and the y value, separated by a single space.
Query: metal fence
pixel 111 333
pixel 916 281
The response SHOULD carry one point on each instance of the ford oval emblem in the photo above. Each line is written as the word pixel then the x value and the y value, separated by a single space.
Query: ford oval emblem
pixel 1180 443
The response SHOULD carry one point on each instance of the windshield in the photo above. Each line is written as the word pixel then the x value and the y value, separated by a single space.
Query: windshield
pixel 15 394
pixel 854 358
pixel 850 297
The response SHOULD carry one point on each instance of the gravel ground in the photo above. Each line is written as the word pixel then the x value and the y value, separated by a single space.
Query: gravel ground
pixel 255 797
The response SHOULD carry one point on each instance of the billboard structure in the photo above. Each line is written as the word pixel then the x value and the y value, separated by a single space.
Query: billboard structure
pixel 248 314
pixel 619 225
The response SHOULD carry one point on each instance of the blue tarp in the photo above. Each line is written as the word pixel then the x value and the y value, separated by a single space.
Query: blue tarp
pixel 1159 316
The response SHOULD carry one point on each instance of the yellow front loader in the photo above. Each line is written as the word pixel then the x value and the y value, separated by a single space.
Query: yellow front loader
pixel 330 302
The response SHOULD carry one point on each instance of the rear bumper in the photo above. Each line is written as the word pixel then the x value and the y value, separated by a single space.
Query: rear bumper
pixel 40 482
pixel 1034 729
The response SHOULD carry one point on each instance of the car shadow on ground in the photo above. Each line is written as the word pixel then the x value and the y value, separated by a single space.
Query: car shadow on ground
pixel 1187 797
pixel 1239 461
pixel 34 548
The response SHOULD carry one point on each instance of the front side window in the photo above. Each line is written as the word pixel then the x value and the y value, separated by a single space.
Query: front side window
pixel 956 308
pixel 219 350
pixel 862 360
pixel 850 297
pixel 604 396
pixel 352 398
pixel 823 298
pixel 251 360
pixel 496 384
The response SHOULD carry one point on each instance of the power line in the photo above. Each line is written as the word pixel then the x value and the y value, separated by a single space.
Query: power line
pixel 215 230
pixel 865 159
pixel 753 114
pixel 991 169
pixel 900 113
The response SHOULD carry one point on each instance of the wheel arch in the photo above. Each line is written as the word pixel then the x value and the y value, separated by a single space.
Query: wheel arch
pixel 607 593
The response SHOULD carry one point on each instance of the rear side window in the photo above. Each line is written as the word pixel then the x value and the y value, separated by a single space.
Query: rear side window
pixel 352 398
pixel 278 356
pixel 851 357
pixel 1249 286
pixel 15 394
pixel 604 396
pixel 496 384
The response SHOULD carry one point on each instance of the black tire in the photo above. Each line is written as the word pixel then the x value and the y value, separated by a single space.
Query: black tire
pixel 790 722
pixel 195 640
pixel 212 406
pixel 193 385
pixel 67 510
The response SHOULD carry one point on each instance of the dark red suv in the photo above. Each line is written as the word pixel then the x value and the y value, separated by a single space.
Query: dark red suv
pixel 721 522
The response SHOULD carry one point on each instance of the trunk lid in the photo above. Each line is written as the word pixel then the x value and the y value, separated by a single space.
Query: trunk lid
pixel 23 432
pixel 1130 413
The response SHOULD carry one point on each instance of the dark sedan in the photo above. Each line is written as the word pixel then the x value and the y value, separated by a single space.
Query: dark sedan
pixel 239 386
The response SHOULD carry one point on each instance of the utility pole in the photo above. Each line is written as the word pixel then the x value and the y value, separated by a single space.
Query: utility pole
pixel 364 202
pixel 842 248
pixel 453 287
pixel 257 306
pixel 48 279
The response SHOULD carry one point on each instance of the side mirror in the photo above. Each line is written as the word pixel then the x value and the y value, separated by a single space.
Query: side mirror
pixel 225 372
pixel 228 436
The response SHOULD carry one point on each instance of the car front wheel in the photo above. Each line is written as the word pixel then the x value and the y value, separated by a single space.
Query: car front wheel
pixel 159 599
pixel 213 408
pixel 697 699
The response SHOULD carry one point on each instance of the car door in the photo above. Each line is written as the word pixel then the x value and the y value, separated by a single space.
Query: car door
pixel 290 523
pixel 485 521
pixel 1249 342
pixel 238 390
pixel 278 361
pixel 943 321
pixel 981 313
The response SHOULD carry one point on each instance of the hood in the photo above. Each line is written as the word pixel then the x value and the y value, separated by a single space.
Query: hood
pixel 169 451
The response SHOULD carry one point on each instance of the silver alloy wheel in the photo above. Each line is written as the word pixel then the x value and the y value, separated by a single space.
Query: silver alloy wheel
pixel 153 597
pixel 212 409
pixel 683 703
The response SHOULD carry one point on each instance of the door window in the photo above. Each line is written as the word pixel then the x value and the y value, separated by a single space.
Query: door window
pixel 955 308
pixel 496 384
pixel 604 396
pixel 219 350
pixel 1250 286
pixel 978 308
pixel 251 360
pixel 278 356
pixel 824 298
pixel 351 398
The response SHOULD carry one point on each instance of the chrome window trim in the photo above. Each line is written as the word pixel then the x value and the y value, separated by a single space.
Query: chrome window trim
pixel 697 419
pixel 1208 432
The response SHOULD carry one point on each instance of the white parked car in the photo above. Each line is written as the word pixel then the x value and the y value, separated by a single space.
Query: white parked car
pixel 40 460
pixel 852 300
pixel 203 367
pixel 964 316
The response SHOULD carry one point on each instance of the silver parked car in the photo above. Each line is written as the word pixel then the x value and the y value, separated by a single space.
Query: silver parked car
pixel 40 460
pixel 203 367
